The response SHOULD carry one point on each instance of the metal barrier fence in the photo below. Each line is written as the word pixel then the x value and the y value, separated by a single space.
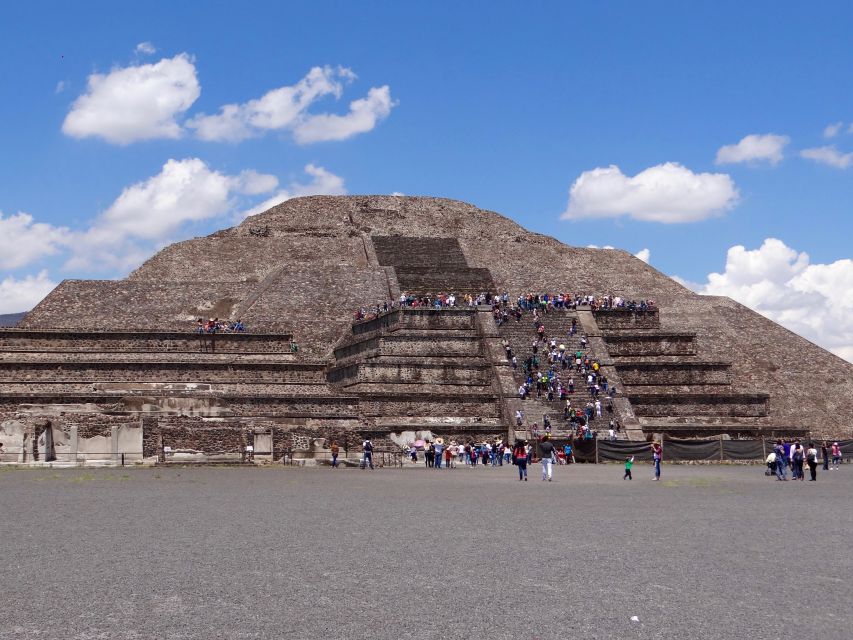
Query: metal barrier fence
pixel 678 450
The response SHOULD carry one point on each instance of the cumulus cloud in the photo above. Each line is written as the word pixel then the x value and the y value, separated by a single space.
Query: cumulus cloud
pixel 145 48
pixel 754 149
pixel 23 241
pixel 828 155
pixel 668 193
pixel 17 295
pixel 644 255
pixel 363 116
pixel 185 192
pixel 286 108
pixel 832 130
pixel 135 103
pixel 322 182
pixel 813 300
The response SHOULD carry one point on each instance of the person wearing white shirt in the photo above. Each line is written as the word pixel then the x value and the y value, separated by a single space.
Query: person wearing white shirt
pixel 811 460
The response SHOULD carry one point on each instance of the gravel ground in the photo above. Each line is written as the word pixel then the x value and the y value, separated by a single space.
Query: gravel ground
pixel 709 552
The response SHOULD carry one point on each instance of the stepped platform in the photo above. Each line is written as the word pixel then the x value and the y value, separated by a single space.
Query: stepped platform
pixel 44 340
pixel 300 270
pixel 633 343
pixel 426 265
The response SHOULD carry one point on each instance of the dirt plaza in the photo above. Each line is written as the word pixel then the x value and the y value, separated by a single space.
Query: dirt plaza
pixel 711 551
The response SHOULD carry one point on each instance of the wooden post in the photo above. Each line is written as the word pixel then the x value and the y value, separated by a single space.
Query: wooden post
pixel 721 447
pixel 764 447
pixel 596 451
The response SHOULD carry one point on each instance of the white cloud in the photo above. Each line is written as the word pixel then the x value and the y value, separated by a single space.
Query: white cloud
pixel 753 149
pixel 832 130
pixel 829 156
pixel 322 182
pixel 668 193
pixel 149 212
pixel 135 103
pixel 286 108
pixel 60 87
pixel 145 48
pixel 644 255
pixel 23 294
pixel 363 116
pixel 185 192
pixel 23 241
pixel 252 183
pixel 814 300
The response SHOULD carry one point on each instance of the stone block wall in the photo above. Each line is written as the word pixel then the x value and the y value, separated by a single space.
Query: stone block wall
pixel 620 319
pixel 674 373
pixel 139 341
pixel 644 345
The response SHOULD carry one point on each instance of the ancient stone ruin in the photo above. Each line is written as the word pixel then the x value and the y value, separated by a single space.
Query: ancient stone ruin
pixel 101 369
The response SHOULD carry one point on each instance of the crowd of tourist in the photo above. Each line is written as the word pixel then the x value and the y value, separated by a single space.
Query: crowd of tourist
pixel 505 305
pixel 215 325
pixel 497 453
pixel 794 455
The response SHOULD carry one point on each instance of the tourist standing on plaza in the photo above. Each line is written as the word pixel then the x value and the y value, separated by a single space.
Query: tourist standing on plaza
pixel 335 451
pixel 439 452
pixel 824 455
pixel 811 459
pixel 798 454
pixel 367 460
pixel 836 456
pixel 546 450
pixel 781 461
pixel 519 455
pixel 628 464
pixel 657 454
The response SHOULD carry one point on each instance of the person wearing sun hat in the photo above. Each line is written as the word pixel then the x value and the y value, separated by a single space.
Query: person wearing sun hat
pixel 439 452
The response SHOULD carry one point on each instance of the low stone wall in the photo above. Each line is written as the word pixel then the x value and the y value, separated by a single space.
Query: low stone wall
pixel 448 406
pixel 130 341
pixel 674 373
pixel 191 372
pixel 664 344
pixel 624 319
pixel 655 405
pixel 391 373
pixel 438 346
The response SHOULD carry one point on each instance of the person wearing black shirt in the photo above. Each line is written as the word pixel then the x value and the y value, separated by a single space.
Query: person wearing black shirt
pixel 546 451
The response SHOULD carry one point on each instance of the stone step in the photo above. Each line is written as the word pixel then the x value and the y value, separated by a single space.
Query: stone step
pixel 430 280
pixel 634 344
pixel 622 319
pixel 165 388
pixel 698 404
pixel 165 357
pixel 157 341
pixel 161 372
pixel 368 388
pixel 674 373
pixel 419 252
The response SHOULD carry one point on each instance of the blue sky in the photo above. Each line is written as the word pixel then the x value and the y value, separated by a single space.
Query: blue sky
pixel 504 105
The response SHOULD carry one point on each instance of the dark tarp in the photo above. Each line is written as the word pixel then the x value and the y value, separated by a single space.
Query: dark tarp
pixel 691 449
pixel 744 450
pixel 621 449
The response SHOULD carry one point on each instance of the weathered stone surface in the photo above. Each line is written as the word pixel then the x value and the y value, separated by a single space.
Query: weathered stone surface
pixel 304 266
